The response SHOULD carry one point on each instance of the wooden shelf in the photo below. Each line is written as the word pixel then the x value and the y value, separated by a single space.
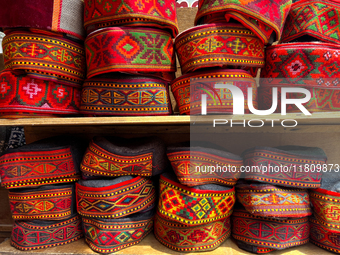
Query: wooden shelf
pixel 150 246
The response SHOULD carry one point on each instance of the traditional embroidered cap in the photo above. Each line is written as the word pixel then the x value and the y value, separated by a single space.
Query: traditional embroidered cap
pixel 219 45
pixel 269 233
pixel 38 234
pixel 116 156
pixel 111 235
pixel 23 94
pixel 188 90
pixel 194 206
pixel 134 50
pixel 51 202
pixel 289 166
pixel 314 19
pixel 198 163
pixel 158 14
pixel 125 95
pixel 274 202
pixel 115 198
pixel 189 238
pixel 261 17
pixel 63 16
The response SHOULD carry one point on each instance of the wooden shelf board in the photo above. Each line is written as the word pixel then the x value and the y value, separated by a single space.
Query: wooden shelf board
pixel 150 246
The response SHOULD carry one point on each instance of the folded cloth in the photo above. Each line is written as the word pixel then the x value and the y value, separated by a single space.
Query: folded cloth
pixel 189 238
pixel 111 235
pixel 219 45
pixel 262 17
pixel 125 95
pixel 115 198
pixel 194 206
pixel 48 161
pixel 199 163
pixel 188 90
pixel 288 166
pixel 324 237
pixel 132 50
pixel 26 94
pixel 155 13
pixel 63 16
pixel 266 200
pixel 116 156
pixel 38 234
pixel 318 19
pixel 50 202
pixel 45 55
pixel 269 233
pixel 252 248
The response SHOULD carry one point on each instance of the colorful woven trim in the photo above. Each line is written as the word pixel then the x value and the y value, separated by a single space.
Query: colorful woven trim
pixel 263 17
pixel 25 94
pixel 36 168
pixel 219 45
pixel 132 50
pixel 45 56
pixel 186 238
pixel 115 201
pixel 271 201
pixel 21 115
pixel 155 13
pixel 252 248
pixel 126 97
pixel 319 19
pixel 188 89
pixel 111 235
pixel 323 237
pixel 63 16
pixel 191 165
pixel 297 175
pixel 303 65
pixel 192 206
pixel 269 233
pixel 51 203
pixel 32 235
pixel 326 206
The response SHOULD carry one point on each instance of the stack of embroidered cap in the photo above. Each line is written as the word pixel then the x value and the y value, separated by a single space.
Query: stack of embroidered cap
pixel 308 57
pixel 275 197
pixel 40 178
pixel 130 57
pixel 117 196
pixel 44 58
pixel 227 48
pixel 195 207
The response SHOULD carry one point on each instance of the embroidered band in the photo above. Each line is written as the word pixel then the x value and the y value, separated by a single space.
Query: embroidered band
pixel 111 235
pixel 25 94
pixel 219 45
pixel 115 156
pixel 125 96
pixel 194 206
pixel 275 202
pixel 154 13
pixel 288 166
pixel 188 238
pixel 191 163
pixel 315 18
pixel 252 248
pixel 262 17
pixel 32 235
pixel 126 195
pixel 46 202
pixel 324 237
pixel 188 88
pixel 326 207
pixel 63 16
pixel 269 233
pixel 132 50
pixel 45 55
